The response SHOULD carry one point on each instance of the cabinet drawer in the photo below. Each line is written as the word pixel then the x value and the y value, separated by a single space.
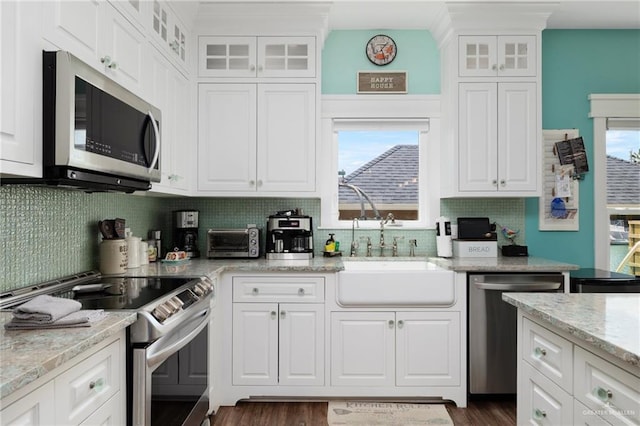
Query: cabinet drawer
pixel 89 384
pixel 583 416
pixel 549 353
pixel 544 402
pixel 278 289
pixel 35 408
pixel 611 392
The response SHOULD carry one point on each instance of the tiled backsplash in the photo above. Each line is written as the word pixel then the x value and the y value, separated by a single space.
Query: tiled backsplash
pixel 47 233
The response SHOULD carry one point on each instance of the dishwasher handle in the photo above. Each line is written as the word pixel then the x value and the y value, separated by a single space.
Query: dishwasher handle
pixel 532 286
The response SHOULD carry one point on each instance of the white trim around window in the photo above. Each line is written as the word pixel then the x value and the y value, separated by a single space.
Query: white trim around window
pixel 393 111
pixel 604 107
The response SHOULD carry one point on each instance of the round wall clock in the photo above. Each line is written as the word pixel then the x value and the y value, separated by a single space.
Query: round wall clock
pixel 381 49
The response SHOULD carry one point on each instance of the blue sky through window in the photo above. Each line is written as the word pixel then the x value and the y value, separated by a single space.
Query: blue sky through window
pixel 356 148
pixel 621 142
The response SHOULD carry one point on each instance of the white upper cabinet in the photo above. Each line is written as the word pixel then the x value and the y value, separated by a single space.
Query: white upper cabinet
pixel 256 138
pixel 256 56
pixel 21 85
pixel 169 33
pixel 99 35
pixel 169 90
pixel 497 138
pixel 502 56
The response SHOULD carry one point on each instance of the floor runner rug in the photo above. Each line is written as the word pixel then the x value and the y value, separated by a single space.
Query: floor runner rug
pixel 368 413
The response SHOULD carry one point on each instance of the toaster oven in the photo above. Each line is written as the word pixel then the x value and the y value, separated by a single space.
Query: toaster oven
pixel 233 243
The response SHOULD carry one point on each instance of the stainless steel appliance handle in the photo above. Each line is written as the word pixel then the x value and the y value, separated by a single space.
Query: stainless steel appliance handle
pixel 157 151
pixel 533 286
pixel 160 354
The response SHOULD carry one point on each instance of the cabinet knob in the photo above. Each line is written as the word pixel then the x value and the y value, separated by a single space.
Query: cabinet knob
pixel 494 67
pixel 255 290
pixel 96 383
pixel 391 323
pixel 260 68
pixel 540 352
pixel 259 182
pixel 283 314
pixel 301 291
pixel 110 63
pixel 539 414
pixel 400 324
pixel 274 315
pixel 252 67
pixel 603 394
pixel 503 182
pixel 252 183
pixel 501 67
pixel 494 182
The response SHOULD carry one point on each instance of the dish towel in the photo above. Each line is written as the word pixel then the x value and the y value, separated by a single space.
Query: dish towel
pixel 46 309
pixel 52 312
pixel 82 318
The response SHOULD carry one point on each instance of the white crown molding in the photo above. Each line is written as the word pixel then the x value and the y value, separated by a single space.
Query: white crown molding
pixel 247 18
pixel 491 17
pixel 615 105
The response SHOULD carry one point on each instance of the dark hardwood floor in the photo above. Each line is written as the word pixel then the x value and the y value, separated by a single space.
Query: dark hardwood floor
pixel 478 412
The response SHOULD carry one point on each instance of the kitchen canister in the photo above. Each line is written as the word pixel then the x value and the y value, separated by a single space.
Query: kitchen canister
pixel 133 244
pixel 144 253
pixel 444 244
pixel 113 256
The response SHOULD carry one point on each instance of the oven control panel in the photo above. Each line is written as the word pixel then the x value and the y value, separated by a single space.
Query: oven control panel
pixel 182 300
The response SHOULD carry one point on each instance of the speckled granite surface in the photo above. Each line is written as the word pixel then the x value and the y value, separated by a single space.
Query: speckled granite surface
pixel 199 267
pixel 503 264
pixel 26 355
pixel 610 322
pixel 209 267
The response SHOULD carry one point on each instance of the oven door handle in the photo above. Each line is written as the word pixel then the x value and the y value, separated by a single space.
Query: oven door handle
pixel 159 354
pixel 156 152
pixel 533 286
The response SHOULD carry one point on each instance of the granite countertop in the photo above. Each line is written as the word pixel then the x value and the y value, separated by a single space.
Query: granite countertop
pixel 27 355
pixel 503 264
pixel 610 322
pixel 319 264
pixel 211 267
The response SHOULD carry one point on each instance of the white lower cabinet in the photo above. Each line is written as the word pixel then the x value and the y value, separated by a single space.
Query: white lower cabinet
pixel 278 331
pixel 87 390
pixel 543 402
pixel 561 382
pixel 37 408
pixel 395 348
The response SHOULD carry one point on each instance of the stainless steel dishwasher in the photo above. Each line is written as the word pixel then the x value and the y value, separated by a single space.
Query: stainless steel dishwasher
pixel 492 327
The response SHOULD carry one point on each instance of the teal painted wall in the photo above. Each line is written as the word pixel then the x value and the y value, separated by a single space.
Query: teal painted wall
pixel 344 55
pixel 576 63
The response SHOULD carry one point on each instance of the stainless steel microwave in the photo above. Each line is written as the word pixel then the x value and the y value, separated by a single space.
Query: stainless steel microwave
pixel 97 135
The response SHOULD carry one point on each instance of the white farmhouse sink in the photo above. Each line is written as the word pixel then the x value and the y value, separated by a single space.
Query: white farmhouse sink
pixel 394 283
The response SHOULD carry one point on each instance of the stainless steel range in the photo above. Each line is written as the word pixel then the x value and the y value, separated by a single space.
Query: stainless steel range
pixel 173 318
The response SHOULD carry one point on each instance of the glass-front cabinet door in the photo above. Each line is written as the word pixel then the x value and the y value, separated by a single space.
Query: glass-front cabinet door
pixel 256 56
pixel 286 57
pixel 227 56
pixel 497 56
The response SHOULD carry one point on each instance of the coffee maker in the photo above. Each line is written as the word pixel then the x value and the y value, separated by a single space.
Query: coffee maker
pixel 185 225
pixel 289 236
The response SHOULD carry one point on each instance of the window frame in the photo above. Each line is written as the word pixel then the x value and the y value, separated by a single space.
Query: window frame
pixel 384 112
pixel 602 108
